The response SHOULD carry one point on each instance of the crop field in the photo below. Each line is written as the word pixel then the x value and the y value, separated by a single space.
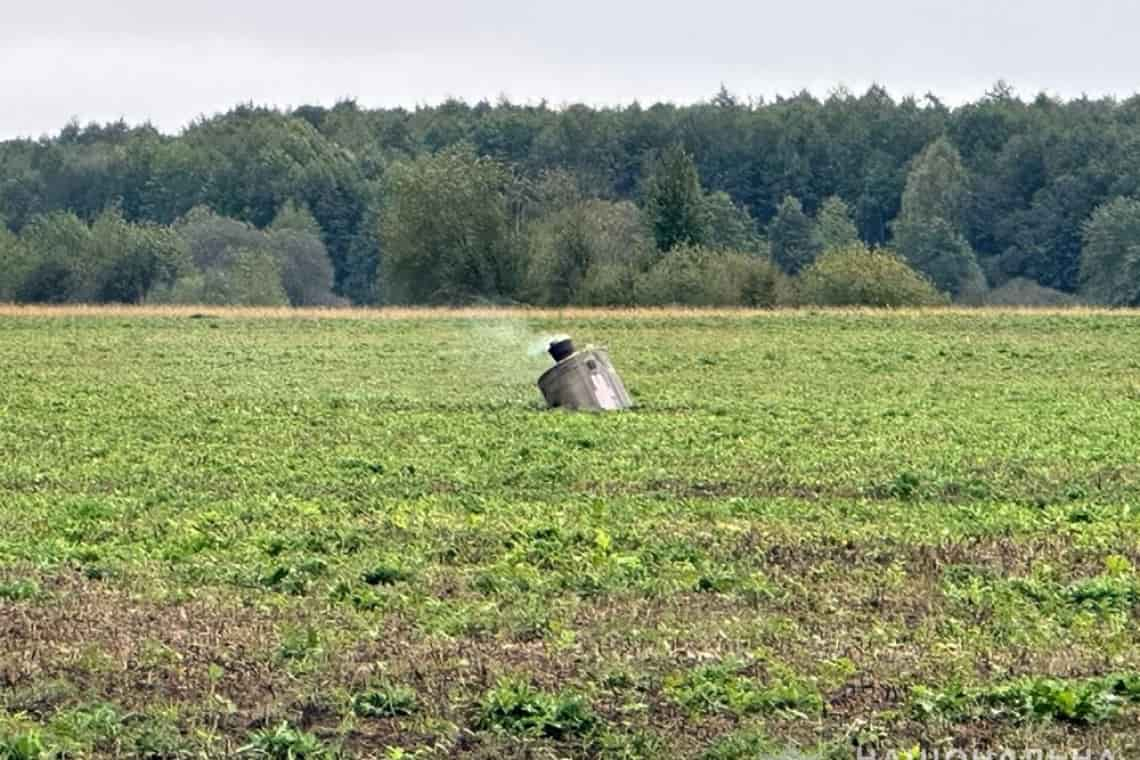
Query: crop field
pixel 361 535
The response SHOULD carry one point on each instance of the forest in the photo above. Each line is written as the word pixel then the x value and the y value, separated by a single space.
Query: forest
pixel 848 199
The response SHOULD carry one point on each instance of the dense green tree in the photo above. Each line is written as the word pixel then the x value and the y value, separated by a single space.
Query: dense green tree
pixel 928 233
pixel 728 225
pixel 1110 260
pixel 213 240
pixel 935 248
pixel 833 225
pixel 252 277
pixel 1013 178
pixel 14 264
pixel 674 202
pixel 791 237
pixel 295 217
pixel 446 231
pixel 132 259
pixel 936 185
pixel 306 271
pixel 59 271
pixel 567 249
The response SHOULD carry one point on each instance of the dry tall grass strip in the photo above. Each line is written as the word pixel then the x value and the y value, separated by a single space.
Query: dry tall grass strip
pixel 509 312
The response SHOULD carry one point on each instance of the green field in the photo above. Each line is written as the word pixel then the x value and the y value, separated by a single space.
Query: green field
pixel 366 538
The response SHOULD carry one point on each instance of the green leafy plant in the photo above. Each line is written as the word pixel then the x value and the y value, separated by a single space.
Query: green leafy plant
pixel 516 707
pixel 385 700
pixel 24 746
pixel 284 742
pixel 721 688
pixel 1087 701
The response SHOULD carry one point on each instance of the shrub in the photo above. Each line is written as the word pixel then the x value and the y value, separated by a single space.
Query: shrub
pixel 1023 292
pixel 859 276
pixel 698 276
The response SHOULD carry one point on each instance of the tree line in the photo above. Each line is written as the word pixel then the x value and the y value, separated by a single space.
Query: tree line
pixel 853 198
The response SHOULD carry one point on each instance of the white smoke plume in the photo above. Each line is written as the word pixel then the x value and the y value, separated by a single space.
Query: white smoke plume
pixel 514 355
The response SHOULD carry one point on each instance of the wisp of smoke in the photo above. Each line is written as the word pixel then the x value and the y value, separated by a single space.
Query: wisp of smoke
pixel 515 353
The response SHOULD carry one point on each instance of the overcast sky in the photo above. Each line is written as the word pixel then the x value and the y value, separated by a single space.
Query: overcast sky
pixel 169 62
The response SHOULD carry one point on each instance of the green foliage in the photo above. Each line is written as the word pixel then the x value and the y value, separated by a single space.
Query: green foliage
pixel 284 742
pixel 295 217
pixel 858 276
pixel 936 185
pixel 446 230
pixel 674 201
pixel 792 238
pixel 24 746
pixel 306 273
pixel 385 701
pixel 698 276
pixel 1110 256
pixel 516 707
pixel 932 247
pixel 59 269
pixel 132 259
pixel 753 509
pixel 834 227
pixel 1086 701
pixel 14 264
pixel 722 688
pixel 1022 292
pixel 19 590
pixel 728 225
pixel 385 575
pixel 251 277
pixel 573 248
pixel 1015 178
pixel 234 263
pixel 928 233
pixel 745 744
pixel 300 643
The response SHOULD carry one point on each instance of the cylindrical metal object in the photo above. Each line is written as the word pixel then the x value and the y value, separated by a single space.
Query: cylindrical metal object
pixel 583 380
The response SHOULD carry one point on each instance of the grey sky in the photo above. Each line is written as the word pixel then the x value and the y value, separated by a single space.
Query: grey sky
pixel 169 62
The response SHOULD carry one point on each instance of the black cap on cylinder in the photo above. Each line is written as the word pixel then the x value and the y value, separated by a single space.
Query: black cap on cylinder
pixel 560 349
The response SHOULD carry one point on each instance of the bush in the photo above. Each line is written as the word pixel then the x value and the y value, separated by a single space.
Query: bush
pixel 1023 292
pixel 859 276
pixel 608 285
pixel 697 276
